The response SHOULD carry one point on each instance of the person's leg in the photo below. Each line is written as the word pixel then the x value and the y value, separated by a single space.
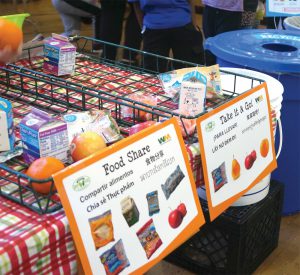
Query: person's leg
pixel 111 25
pixel 70 16
pixel 157 42
pixel 216 21
pixel 97 32
pixel 209 30
pixel 133 36
pixel 228 21
pixel 187 45
pixel 208 21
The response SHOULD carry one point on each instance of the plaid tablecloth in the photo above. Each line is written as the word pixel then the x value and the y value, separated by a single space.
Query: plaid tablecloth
pixel 42 244
pixel 34 244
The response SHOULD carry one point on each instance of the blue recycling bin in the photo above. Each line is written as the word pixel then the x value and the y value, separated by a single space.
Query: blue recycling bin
pixel 277 53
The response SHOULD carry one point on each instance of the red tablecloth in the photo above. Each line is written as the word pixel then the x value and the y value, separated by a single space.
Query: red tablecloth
pixel 42 244
pixel 34 244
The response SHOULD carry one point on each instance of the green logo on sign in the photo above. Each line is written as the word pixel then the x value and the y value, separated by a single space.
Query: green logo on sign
pixel 209 126
pixel 81 183
pixel 164 139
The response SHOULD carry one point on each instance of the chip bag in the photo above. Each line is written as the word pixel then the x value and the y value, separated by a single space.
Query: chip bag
pixel 115 259
pixel 102 229
pixel 149 238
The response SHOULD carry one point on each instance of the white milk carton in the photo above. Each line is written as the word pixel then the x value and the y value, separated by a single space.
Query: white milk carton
pixel 59 55
pixel 7 137
pixel 42 135
pixel 192 94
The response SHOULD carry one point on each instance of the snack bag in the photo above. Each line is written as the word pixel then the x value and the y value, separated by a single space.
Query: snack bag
pixel 172 182
pixel 149 238
pixel 102 229
pixel 99 121
pixel 115 259
pixel 172 81
pixel 141 115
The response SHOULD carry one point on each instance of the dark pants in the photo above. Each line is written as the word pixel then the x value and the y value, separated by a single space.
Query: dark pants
pixel 216 21
pixel 111 25
pixel 133 36
pixel 185 42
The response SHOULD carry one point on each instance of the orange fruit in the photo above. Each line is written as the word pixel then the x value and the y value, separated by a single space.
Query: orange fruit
pixel 11 35
pixel 41 169
pixel 264 147
pixel 86 144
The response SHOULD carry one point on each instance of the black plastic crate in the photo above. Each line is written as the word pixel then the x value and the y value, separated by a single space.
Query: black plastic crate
pixel 238 241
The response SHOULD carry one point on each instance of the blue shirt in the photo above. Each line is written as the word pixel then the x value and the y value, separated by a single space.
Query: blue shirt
pixel 165 14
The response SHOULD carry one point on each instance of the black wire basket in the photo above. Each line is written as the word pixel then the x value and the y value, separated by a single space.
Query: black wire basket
pixel 98 83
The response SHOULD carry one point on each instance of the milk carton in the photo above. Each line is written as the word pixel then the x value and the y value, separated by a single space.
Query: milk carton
pixel 43 135
pixel 59 55
pixel 7 137
pixel 192 94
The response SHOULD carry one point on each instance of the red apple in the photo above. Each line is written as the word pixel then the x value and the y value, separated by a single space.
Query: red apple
pixel 140 126
pixel 253 155
pixel 86 144
pixel 248 162
pixel 175 218
pixel 182 209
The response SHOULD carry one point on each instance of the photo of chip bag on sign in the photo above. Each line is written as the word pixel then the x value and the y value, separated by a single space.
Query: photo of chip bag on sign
pixel 102 229
pixel 172 182
pixel 114 259
pixel 219 176
pixel 149 238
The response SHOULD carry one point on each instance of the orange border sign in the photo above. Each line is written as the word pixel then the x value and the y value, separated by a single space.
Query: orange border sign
pixel 216 209
pixel 194 225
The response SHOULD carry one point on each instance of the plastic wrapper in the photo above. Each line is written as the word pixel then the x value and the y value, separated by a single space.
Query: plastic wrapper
pixel 99 121
pixel 7 155
pixel 219 176
pixel 141 115
pixel 114 259
pixel 171 81
pixel 172 182
pixel 102 229
pixel 149 238
pixel 187 126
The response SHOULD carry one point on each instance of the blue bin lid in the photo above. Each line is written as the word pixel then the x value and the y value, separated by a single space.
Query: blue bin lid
pixel 263 49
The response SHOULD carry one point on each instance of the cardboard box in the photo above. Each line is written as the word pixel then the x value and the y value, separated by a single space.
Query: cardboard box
pixel 43 135
pixel 59 56
pixel 7 137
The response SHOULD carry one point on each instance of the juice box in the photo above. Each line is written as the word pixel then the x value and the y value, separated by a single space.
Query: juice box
pixel 42 135
pixel 7 137
pixel 59 55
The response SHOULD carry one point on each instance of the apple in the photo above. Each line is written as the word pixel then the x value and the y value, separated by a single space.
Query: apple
pixel 140 126
pixel 175 218
pixel 86 144
pixel 253 155
pixel 248 162
pixel 182 209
